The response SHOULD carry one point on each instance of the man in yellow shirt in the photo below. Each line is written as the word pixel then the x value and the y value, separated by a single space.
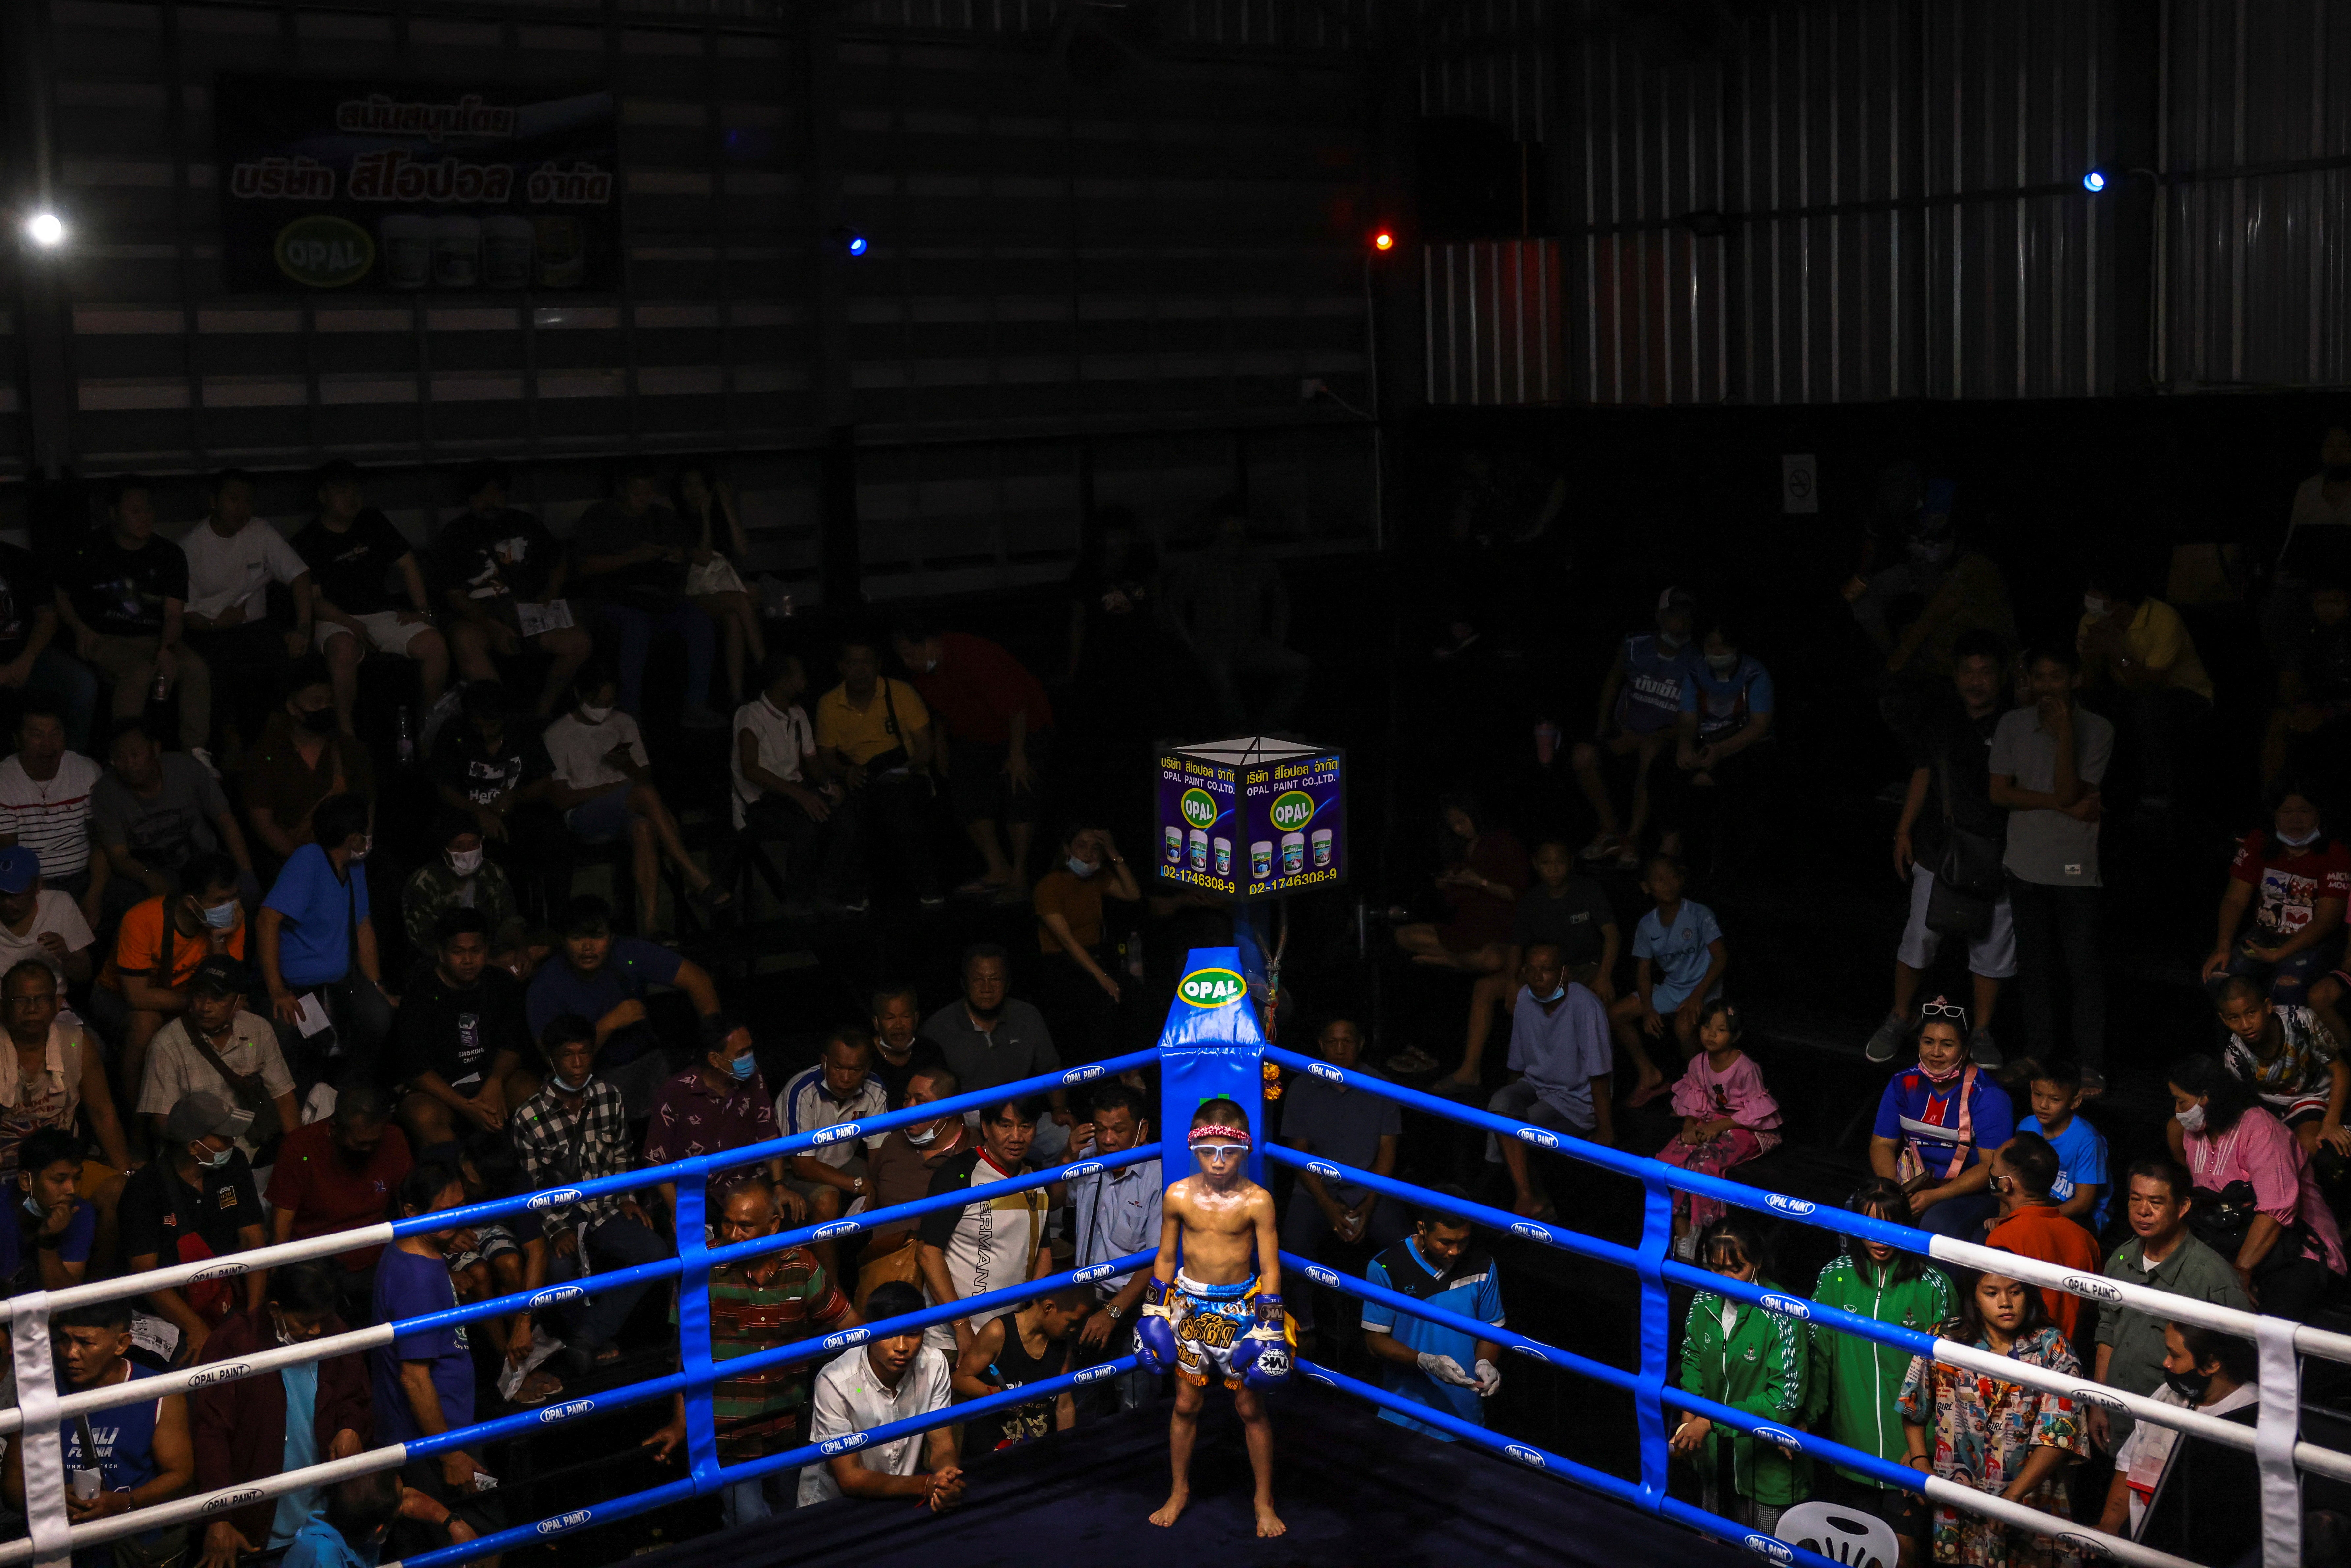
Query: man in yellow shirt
pixel 2138 654
pixel 873 736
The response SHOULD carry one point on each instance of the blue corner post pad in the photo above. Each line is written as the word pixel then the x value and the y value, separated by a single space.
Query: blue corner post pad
pixel 1211 1047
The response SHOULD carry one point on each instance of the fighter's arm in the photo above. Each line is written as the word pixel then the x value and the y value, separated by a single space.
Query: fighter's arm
pixel 1175 1207
pixel 1268 1243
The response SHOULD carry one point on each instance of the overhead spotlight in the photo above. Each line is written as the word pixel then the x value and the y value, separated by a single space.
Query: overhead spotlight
pixel 1383 240
pixel 848 242
pixel 45 229
pixel 857 245
pixel 2093 182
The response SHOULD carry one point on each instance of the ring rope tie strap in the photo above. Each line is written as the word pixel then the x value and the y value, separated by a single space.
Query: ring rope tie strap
pixel 693 1329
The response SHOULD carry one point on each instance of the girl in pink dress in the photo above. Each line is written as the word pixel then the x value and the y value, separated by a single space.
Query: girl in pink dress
pixel 1727 1117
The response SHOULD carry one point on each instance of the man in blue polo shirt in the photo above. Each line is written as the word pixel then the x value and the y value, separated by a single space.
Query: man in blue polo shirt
pixel 603 978
pixel 1433 1363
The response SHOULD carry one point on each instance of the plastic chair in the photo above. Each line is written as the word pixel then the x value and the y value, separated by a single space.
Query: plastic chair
pixel 1840 1535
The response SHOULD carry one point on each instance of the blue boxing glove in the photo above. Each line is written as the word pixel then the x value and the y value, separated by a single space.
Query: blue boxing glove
pixel 1154 1332
pixel 1261 1363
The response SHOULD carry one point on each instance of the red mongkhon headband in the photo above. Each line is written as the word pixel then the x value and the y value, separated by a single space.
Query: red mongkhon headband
pixel 1216 1133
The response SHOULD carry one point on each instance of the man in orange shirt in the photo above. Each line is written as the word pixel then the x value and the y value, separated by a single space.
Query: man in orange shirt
pixel 161 940
pixel 2023 1169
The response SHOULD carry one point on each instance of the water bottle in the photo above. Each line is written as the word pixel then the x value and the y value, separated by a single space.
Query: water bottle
pixel 162 688
pixel 407 743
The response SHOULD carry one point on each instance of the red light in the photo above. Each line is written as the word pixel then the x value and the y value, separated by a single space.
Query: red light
pixel 1384 241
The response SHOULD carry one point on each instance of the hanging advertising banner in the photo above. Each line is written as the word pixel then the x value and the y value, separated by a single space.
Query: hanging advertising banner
pixel 378 186
pixel 1252 818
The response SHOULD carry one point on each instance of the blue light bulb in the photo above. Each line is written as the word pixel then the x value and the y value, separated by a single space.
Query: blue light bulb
pixel 857 244
pixel 2093 182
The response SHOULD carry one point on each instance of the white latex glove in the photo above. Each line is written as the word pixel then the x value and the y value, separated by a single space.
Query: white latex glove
pixel 1488 1380
pixel 1445 1369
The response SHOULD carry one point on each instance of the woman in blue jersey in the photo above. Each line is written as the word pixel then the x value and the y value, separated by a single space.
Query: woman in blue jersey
pixel 1936 1125
pixel 1640 709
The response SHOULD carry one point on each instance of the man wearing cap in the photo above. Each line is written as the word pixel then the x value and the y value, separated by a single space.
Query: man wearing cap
pixel 1640 711
pixel 37 922
pixel 219 1048
pixel 196 1200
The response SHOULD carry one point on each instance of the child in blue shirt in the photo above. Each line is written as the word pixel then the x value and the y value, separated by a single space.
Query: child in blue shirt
pixel 2082 1189
pixel 1681 959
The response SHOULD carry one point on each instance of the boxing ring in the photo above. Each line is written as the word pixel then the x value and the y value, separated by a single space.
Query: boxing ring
pixel 1211 1047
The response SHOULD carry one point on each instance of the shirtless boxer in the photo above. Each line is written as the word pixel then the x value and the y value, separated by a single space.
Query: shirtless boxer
pixel 1218 1315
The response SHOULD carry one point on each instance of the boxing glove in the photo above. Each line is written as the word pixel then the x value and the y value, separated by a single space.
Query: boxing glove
pixel 1261 1363
pixel 1155 1331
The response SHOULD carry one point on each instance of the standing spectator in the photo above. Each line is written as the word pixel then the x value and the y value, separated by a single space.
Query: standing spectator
pixel 196 1200
pixel 423 1381
pixel 339 1175
pixel 1569 912
pixel 718 1103
pixel 2045 766
pixel 1078 981
pixel 991 1242
pixel 989 1038
pixel 998 726
pixel 2164 1254
pixel 1640 711
pixel 900 1170
pixel 489 561
pixel 2291 1061
pixel 631 556
pixel 154 810
pixel 761 1303
pixel 782 793
pixel 1860 1380
pixel 37 922
pixel 124 598
pixel 251 1429
pixel 495 772
pixel 1949 827
pixel 605 978
pixel 2023 1171
pixel 1485 874
pixel 1993 1436
pixel 44 803
pixel 1752 1360
pixel 61 1077
pixel 457 1051
pixel 1729 1117
pixel 2082 1187
pixel 462 877
pixel 1727 708
pixel 352 552
pixel 899 1048
pixel 875 737
pixel 840 1090
pixel 706 502
pixel 1229 609
pixel 48 1245
pixel 301 762
pixel 1679 957
pixel 602 783
pixel 233 557
pixel 889 1378
pixel 1347 1127
pixel 156 950
pixel 575 1130
pixel 316 939
pixel 1113 1215
pixel 2302 878
pixel 2188 1495
pixel 2277 1232
pixel 1935 1122
pixel 2136 649
pixel 1035 1341
pixel 1561 1066
pixel 219 1048
pixel 1439 1265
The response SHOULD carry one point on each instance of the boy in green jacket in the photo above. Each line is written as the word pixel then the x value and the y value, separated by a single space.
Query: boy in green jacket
pixel 1755 1361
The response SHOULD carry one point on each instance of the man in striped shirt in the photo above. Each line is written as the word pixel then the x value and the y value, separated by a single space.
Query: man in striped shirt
pixel 44 803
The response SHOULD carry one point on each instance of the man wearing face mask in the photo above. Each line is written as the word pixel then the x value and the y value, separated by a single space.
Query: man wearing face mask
pixel 47 1246
pixel 1079 987
pixel 301 762
pixel 899 1169
pixel 1640 711
pixel 196 1200
pixel 2137 655
pixel 145 984
pixel 219 1048
pixel 719 1102
pixel 1229 608
pixel 462 877
pixel 458 1047
pixel 316 939
pixel 2188 1495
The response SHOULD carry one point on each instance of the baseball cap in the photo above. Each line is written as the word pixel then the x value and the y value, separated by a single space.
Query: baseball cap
pixel 220 975
pixel 205 1116
pixel 1677 599
pixel 19 869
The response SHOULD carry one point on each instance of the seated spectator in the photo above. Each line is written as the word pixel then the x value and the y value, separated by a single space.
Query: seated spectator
pixel 2137 654
pixel 45 805
pixel 1113 1215
pixel 154 811
pixel 899 1048
pixel 1227 608
pixel 146 1457
pixel 508 1257
pixel 489 561
pixel 1679 958
pixel 2307 729
pixel 1439 1265
pixel 1727 706
pixel 708 504
pixel 196 1200
pixel 2023 1171
pixel 605 978
pixel 495 772
pixel 156 950
pixel 603 784
pixel 891 1377
pixel 422 1381
pixel 990 1243
pixel 1752 1360
pixel 999 726
pixel 718 1103
pixel 576 1130
pixel 2164 1254
pixel 459 1045
pixel 462 877
pixel 2290 1059
pixel 777 1298
pixel 782 792
pixel 875 738
pixel 1640 713
pixel 365 1517
pixel 233 557
pixel 39 923
pixel 1561 1070
pixel 2302 878
pixel 1076 978
pixel 217 1048
pixel 900 1170
pixel 1484 877
pixel 302 762
pixel 832 1178
pixel 1965 596
pixel 631 556
pixel 1936 1123
pixel 1856 1381
pixel 340 1174
pixel 1569 912
pixel 316 940
pixel 1035 1341
pixel 989 1038
pixel 49 1245
pixel 352 552
pixel 2184 1494
pixel 2082 1186
pixel 61 1077
pixel 31 658
pixel 252 1429
pixel 1729 1117
pixel 2006 1438
pixel 1347 1127
pixel 2277 1231
pixel 122 595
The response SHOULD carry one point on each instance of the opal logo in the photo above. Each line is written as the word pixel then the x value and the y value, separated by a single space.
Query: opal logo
pixel 1324 1169
pixel 835 1134
pixel 555 1295
pixel 563 1521
pixel 1787 1306
pixel 1091 1168
pixel 2097 1290
pixel 229 1499
pixel 2087 1545
pixel 1087 1276
pixel 1088 1374
pixel 217 1272
pixel 839 1227
pixel 1324 1069
pixel 1538 1138
pixel 1526 1457
pixel 1780 1436
pixel 555 1199
pixel 1291 809
pixel 2099 1397
pixel 1530 1352
pixel 842 1445
pixel 1318 1377
pixel 1083 1074
pixel 1211 987
pixel 1765 1546
pixel 1320 1275
pixel 1780 1202
pixel 565 1412
pixel 846 1338
pixel 1199 807
pixel 225 1373
pixel 1530 1230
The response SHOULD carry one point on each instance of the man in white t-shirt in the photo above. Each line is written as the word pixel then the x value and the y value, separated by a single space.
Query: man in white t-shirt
pixel 782 792
pixel 233 558
pixel 40 923
pixel 885 1380
pixel 44 803
pixel 991 1242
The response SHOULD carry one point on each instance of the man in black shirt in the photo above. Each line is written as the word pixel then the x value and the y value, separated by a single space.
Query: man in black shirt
pixel 459 1041
pixel 352 552
pixel 1951 833
pixel 196 1200
pixel 490 767
pixel 121 595
pixel 491 559
pixel 28 660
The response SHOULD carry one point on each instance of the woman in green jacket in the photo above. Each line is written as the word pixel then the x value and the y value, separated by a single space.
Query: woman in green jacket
pixel 1856 1381
pixel 1754 1361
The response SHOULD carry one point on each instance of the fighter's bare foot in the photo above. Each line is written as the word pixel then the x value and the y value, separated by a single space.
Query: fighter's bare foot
pixel 1268 1522
pixel 1175 1508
